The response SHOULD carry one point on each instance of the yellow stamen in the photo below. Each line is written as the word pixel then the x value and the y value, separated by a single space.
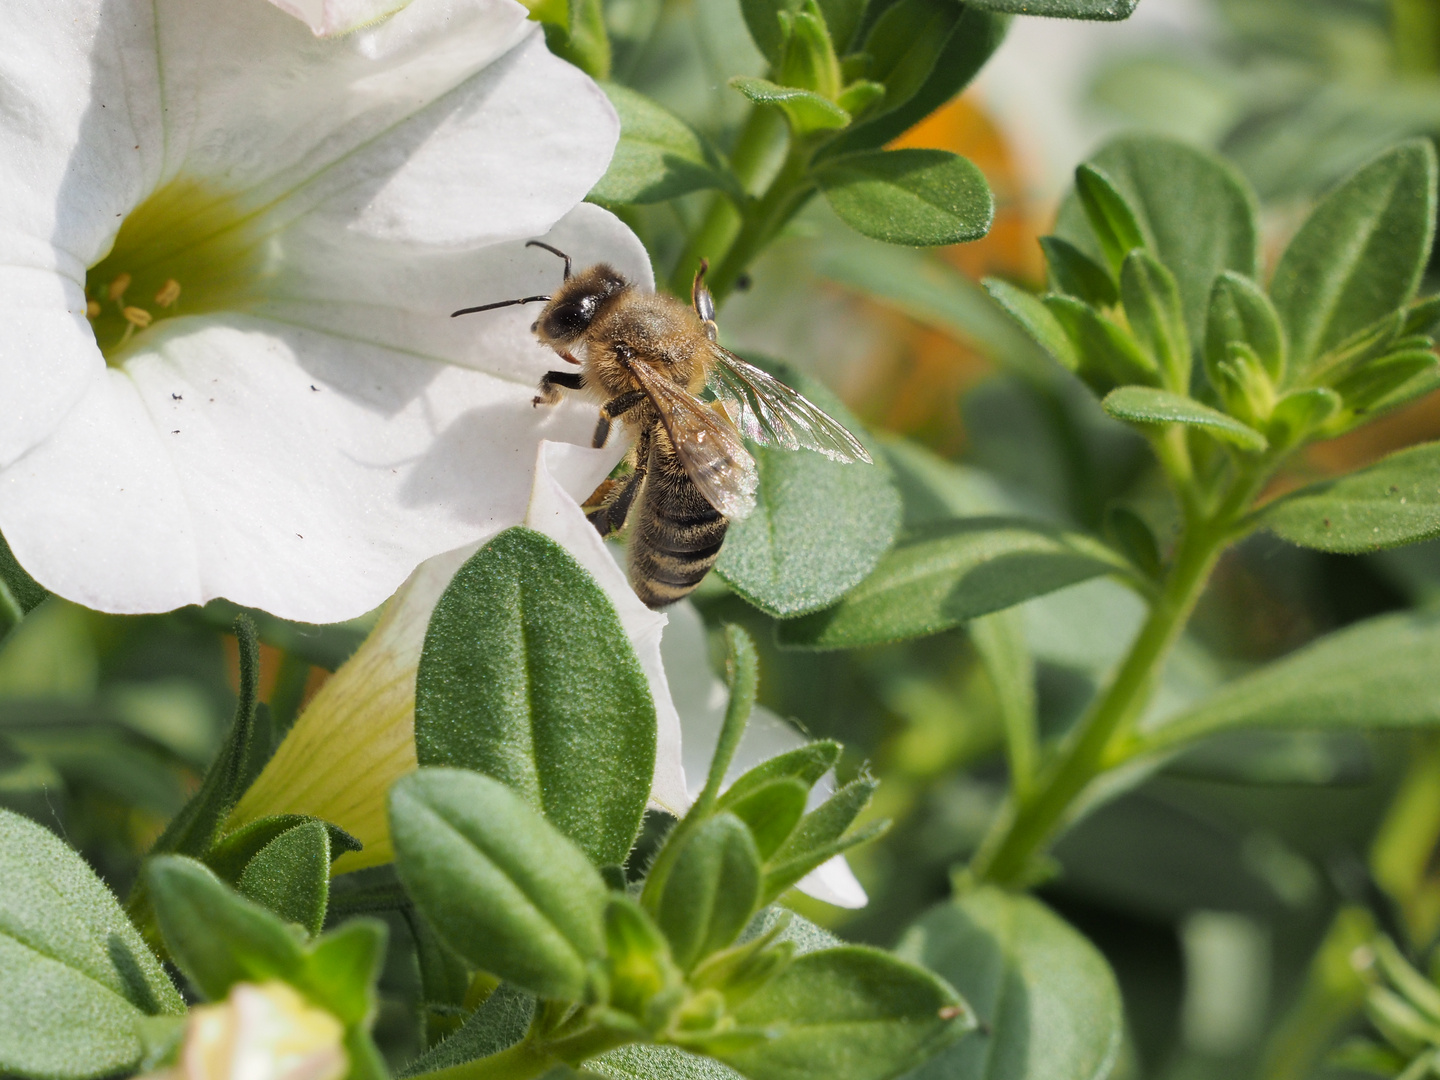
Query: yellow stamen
pixel 137 316
pixel 92 309
pixel 118 287
pixel 168 294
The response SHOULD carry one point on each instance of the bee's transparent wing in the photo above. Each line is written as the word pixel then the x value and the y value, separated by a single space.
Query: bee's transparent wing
pixel 772 414
pixel 709 448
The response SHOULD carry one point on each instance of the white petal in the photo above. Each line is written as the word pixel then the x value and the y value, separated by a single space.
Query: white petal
pixel 555 511
pixel 835 883
pixel 401 295
pixel 326 17
pixel 313 504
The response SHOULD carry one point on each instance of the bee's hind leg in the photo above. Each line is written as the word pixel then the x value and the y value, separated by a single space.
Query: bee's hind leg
pixel 615 407
pixel 619 495
pixel 552 381
pixel 703 301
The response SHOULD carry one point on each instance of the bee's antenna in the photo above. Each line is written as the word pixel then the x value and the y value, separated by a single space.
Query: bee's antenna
pixel 502 303
pixel 553 251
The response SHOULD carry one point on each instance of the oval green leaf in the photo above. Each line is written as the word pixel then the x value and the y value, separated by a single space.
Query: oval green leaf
pixel 1377 673
pixel 527 676
pixel 1395 501
pixel 852 1011
pixel 948 573
pixel 1144 405
pixel 1101 10
pixel 1197 213
pixel 1047 1002
pixel 78 979
pixel 498 882
pixel 291 875
pixel 818 528
pixel 1359 254
pixel 807 112
pixel 658 157
pixel 917 197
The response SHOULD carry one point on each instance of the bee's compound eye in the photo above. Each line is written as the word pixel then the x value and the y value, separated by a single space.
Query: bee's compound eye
pixel 568 320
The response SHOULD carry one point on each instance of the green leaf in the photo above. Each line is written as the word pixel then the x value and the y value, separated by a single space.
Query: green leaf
pixel 644 980
pixel 1112 219
pixel 819 526
pixel 809 61
pixel 711 891
pixel 291 876
pixel 582 40
pixel 1143 405
pixel 851 1012
pixel 216 937
pixel 503 886
pixel 821 835
pixel 1388 381
pixel 1076 274
pixel 1037 320
pixel 1300 412
pixel 947 574
pixel 1047 1003
pixel 1108 353
pixel 1132 535
pixel 771 812
pixel 1240 311
pixel 499 1023
pixel 762 19
pixel 19 592
pixel 1359 254
pixel 924 54
pixel 658 157
pixel 805 763
pixel 1152 306
pixel 915 197
pixel 1000 641
pixel 1376 673
pixel 806 111
pixel 1395 501
pixel 230 855
pixel 527 676
pixel 78 980
pixel 1102 10
pixel 1197 213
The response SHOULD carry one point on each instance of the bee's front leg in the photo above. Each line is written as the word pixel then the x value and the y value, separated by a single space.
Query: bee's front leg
pixel 616 406
pixel 551 382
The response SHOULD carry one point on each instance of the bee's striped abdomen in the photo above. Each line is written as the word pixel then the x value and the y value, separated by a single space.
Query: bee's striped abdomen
pixel 678 533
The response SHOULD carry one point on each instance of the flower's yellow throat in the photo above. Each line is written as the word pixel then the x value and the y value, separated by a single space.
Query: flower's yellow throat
pixel 186 250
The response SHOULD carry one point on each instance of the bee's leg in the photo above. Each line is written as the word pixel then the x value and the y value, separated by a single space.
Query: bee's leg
pixel 551 381
pixel 615 407
pixel 610 517
pixel 703 301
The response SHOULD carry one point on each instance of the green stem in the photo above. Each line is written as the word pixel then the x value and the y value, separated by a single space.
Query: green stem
pixel 1007 855
pixel 788 192
pixel 755 146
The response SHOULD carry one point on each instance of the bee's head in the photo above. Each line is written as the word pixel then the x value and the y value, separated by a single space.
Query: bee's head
pixel 575 305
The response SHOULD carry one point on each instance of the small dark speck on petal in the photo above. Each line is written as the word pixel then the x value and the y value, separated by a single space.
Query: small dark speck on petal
pixel 176 397
pixel 175 432
pixel 317 389
pixel 301 537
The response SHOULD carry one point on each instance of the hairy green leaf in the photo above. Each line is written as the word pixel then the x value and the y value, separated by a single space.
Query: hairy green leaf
pixel 527 676
pixel 1395 501
pixel 916 197
pixel 1103 10
pixel 1047 1002
pixel 291 875
pixel 1197 213
pixel 1144 405
pixel 1076 274
pixel 658 157
pixel 948 573
pixel 1240 311
pixel 230 855
pixel 499 1023
pixel 1037 320
pixel 1152 306
pixel 78 980
pixel 850 1012
pixel 711 891
pixel 503 886
pixel 806 111
pixel 819 526
pixel 1359 254
pixel 1376 673
pixel 1108 353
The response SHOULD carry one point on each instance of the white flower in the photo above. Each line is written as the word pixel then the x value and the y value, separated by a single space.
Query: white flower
pixel 357 737
pixel 260 1032
pixel 328 17
pixel 303 424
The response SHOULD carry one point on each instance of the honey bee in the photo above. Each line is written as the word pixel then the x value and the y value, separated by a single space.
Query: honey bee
pixel 648 357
